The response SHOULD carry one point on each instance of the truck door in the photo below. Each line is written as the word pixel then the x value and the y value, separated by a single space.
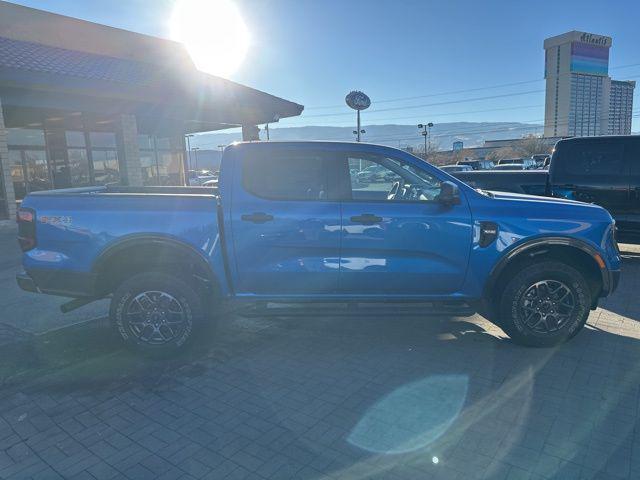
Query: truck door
pixel 285 223
pixel 593 171
pixel 397 238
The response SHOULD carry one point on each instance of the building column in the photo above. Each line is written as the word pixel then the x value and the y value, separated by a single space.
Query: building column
pixel 250 133
pixel 130 166
pixel 5 171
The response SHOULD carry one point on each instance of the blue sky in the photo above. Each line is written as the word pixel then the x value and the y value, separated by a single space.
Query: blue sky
pixel 315 51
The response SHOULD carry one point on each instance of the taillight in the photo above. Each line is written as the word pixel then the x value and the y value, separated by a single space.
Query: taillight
pixel 26 218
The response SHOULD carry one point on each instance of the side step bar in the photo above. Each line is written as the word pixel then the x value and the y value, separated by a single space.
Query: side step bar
pixel 357 309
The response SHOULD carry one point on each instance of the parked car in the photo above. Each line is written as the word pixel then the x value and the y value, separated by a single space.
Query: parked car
pixel 511 166
pixel 287 225
pixel 527 163
pixel 478 164
pixel 600 170
pixel 210 183
pixel 456 168
pixel 541 159
pixel 373 174
pixel 214 180
pixel 198 177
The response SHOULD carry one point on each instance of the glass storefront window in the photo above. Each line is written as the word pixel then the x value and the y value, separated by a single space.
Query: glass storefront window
pixel 145 142
pixel 78 168
pixel 25 136
pixel 163 143
pixel 103 139
pixel 17 174
pixel 170 168
pixel 160 164
pixel 149 168
pixel 35 162
pixel 75 139
pixel 105 167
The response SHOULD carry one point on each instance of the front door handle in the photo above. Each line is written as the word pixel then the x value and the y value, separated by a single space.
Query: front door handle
pixel 366 219
pixel 257 217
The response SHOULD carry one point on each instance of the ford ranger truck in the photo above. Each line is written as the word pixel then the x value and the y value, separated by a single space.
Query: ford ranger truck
pixel 295 222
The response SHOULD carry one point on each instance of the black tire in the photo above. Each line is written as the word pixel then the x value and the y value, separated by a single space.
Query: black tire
pixel 156 313
pixel 544 304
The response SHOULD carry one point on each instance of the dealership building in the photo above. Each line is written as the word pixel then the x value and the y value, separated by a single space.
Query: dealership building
pixel 581 97
pixel 86 104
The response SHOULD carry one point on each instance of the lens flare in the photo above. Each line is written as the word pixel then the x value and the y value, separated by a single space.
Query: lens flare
pixel 213 32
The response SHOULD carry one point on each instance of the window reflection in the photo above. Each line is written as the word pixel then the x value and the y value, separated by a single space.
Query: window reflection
pixel 75 139
pixel 161 161
pixel 37 170
pixel 78 167
pixel 169 168
pixel 25 136
pixel 105 167
pixel 149 168
pixel 103 139
pixel 17 174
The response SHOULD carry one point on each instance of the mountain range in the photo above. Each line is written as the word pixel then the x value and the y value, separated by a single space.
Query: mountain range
pixel 442 135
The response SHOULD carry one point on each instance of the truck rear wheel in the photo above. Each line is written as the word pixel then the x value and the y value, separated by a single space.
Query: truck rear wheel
pixel 545 304
pixel 156 313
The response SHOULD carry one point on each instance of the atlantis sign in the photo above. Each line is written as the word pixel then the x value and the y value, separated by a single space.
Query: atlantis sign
pixel 593 39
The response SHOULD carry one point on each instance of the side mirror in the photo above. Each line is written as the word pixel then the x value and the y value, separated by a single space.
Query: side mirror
pixel 449 194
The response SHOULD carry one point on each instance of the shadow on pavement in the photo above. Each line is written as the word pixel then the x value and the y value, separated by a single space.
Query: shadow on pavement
pixel 624 301
pixel 366 398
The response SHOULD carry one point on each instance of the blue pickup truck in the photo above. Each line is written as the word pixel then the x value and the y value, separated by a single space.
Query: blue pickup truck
pixel 296 222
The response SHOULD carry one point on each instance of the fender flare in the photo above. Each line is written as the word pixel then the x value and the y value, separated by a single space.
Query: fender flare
pixel 136 240
pixel 535 244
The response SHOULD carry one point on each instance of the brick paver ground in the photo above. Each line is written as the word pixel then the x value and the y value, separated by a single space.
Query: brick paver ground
pixel 343 398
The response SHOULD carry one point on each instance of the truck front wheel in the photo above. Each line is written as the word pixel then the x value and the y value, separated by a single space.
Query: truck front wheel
pixel 544 304
pixel 156 313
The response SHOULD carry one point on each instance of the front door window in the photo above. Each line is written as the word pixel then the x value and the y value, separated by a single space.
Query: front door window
pixel 378 178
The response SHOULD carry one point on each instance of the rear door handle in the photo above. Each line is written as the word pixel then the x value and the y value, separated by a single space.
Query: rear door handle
pixel 257 217
pixel 366 219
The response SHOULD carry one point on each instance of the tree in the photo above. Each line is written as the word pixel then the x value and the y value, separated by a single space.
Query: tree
pixel 432 148
pixel 500 153
pixel 532 145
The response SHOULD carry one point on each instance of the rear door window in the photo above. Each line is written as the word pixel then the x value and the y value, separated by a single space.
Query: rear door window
pixel 287 175
pixel 591 159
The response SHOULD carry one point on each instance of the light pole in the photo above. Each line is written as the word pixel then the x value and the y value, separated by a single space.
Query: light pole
pixel 426 133
pixel 188 137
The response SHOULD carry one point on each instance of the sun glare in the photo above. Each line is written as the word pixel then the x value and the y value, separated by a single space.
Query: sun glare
pixel 213 32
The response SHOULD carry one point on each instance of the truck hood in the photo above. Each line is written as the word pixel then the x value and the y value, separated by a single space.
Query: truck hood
pixel 538 199
pixel 550 207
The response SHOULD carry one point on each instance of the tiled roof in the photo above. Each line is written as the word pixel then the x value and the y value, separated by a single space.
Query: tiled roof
pixel 41 58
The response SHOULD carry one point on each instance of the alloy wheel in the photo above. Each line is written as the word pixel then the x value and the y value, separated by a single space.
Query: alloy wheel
pixel 156 317
pixel 547 306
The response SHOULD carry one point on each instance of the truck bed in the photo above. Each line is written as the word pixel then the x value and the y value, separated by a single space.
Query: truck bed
pixel 124 190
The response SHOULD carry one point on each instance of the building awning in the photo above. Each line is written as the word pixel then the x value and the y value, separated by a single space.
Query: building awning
pixel 43 76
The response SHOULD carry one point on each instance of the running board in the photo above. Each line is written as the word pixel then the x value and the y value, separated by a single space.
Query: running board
pixel 358 310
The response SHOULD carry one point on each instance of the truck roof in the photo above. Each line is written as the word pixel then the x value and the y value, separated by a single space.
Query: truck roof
pixel 311 144
pixel 600 138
